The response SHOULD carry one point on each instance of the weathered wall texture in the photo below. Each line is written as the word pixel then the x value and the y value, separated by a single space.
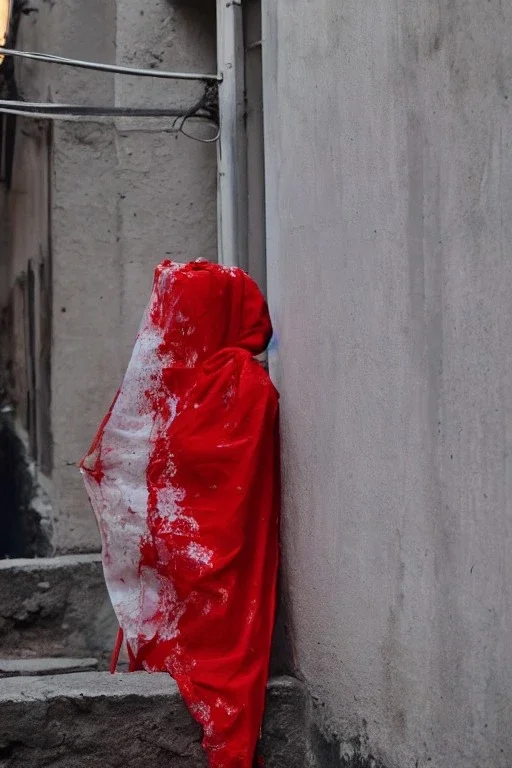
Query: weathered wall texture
pixel 389 189
pixel 100 205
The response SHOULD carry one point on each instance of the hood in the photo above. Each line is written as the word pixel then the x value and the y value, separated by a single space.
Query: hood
pixel 201 308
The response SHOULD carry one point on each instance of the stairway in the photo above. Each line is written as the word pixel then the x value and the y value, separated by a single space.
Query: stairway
pixel 60 708
pixel 55 607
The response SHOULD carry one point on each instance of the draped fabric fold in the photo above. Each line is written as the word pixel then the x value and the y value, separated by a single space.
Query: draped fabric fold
pixel 183 477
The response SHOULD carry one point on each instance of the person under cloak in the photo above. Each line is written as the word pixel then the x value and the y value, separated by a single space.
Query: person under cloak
pixel 183 477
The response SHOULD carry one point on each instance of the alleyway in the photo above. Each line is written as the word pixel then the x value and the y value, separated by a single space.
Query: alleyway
pixel 353 159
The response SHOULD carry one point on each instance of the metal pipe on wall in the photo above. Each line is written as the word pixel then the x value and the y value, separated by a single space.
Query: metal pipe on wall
pixel 232 161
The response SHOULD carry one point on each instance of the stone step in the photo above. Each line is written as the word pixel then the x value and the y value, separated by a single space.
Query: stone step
pixel 137 720
pixel 56 606
pixel 38 667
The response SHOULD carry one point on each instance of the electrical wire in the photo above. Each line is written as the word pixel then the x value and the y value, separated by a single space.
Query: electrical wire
pixel 205 109
pixel 114 68
pixel 77 112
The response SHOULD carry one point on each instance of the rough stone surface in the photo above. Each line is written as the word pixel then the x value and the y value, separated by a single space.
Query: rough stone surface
pixel 328 750
pixel 55 607
pixel 389 188
pixel 51 666
pixel 285 737
pixel 134 721
pixel 96 720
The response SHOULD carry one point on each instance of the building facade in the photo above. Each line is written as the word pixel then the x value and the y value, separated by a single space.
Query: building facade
pixel 90 209
pixel 389 186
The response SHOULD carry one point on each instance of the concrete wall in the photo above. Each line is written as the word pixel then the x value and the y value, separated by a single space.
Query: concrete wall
pixel 102 204
pixel 389 193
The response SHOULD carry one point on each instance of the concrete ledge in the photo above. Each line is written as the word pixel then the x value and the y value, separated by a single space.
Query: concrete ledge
pixel 52 666
pixel 134 721
pixel 55 606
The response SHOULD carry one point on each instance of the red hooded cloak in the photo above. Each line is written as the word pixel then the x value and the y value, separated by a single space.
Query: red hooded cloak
pixel 183 477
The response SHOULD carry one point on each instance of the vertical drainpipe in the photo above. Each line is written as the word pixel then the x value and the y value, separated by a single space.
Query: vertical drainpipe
pixel 232 155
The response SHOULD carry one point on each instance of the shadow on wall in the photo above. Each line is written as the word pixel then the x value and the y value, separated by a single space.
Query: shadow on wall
pixel 201 15
pixel 24 531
